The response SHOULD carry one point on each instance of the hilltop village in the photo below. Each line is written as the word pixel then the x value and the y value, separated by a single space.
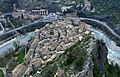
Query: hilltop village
pixel 59 38
pixel 51 41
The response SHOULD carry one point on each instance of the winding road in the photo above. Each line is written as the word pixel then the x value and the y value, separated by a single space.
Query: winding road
pixel 51 20
pixel 102 23
pixel 35 22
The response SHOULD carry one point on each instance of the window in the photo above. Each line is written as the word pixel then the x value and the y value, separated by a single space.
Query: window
pixel 51 33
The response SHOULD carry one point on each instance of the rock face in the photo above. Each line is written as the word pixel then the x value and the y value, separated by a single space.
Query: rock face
pixel 100 57
pixel 88 67
pixel 98 51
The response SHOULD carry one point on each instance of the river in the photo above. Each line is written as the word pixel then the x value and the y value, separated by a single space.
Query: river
pixel 9 45
pixel 113 49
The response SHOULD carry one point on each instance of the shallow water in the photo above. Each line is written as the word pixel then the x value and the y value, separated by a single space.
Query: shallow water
pixel 113 49
pixel 9 45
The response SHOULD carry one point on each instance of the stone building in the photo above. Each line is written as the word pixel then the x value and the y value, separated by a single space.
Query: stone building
pixel 39 11
pixel 19 70
pixel 3 19
pixel 87 5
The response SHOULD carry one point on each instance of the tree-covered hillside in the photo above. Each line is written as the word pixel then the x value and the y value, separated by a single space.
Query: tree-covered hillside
pixel 5 6
pixel 105 10
pixel 108 7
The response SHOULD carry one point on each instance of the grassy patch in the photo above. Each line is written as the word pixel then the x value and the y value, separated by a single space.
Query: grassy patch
pixel 1 73
pixel 76 55
pixel 20 56
pixel 49 71
pixel 79 63
pixel 9 56
pixel 77 1
pixel 112 70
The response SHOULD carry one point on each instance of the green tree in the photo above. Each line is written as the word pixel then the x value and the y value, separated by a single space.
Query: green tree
pixel 5 6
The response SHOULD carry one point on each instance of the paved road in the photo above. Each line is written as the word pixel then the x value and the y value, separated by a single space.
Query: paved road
pixel 104 24
pixel 2 26
pixel 2 31
pixel 45 20
pixel 6 14
pixel 51 20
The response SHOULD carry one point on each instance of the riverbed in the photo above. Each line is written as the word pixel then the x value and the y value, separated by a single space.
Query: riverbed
pixel 20 40
pixel 113 49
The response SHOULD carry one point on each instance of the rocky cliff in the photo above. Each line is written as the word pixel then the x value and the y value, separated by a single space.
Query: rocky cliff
pixel 85 59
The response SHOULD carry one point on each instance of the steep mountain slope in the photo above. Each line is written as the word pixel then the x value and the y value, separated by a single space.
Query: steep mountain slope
pixel 108 10
pixel 81 60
